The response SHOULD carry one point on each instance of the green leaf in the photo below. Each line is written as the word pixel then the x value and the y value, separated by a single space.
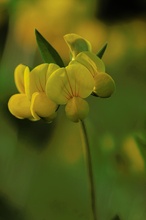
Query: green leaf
pixel 48 53
pixel 101 51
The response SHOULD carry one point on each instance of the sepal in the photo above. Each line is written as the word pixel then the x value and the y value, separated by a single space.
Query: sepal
pixel 101 51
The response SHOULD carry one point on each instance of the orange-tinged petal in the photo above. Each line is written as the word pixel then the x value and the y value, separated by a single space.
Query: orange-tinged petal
pixel 65 83
pixel 19 77
pixel 19 106
pixel 57 87
pixel 43 107
pixel 35 81
pixel 80 80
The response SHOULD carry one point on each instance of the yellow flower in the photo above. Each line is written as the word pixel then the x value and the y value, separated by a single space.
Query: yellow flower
pixel 81 52
pixel 104 85
pixel 70 85
pixel 32 102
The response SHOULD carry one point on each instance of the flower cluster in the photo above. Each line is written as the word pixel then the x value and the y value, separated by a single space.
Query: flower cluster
pixel 47 86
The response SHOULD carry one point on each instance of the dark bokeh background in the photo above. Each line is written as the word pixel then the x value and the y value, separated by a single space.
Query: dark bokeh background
pixel 115 11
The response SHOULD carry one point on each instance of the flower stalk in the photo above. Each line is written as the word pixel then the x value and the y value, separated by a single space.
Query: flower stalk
pixel 88 161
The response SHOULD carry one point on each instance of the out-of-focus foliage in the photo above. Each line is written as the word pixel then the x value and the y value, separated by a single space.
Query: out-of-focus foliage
pixel 52 18
pixel 42 168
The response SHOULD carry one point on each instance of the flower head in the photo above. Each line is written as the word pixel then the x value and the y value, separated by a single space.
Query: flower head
pixel 104 85
pixel 47 86
pixel 70 85
pixel 32 101
pixel 81 52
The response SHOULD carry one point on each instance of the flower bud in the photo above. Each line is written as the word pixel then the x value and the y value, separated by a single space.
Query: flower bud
pixel 104 85
pixel 76 109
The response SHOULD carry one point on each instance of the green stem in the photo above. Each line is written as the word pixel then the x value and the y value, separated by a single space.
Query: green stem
pixel 89 168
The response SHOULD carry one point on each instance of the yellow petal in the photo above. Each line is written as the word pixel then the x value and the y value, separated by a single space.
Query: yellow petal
pixel 93 63
pixel 19 106
pixel 80 80
pixel 35 80
pixel 57 87
pixel 104 85
pixel 77 44
pixel 65 83
pixel 43 107
pixel 52 67
pixel 19 77
pixel 77 109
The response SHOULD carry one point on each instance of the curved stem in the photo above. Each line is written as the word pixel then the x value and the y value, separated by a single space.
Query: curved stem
pixel 89 168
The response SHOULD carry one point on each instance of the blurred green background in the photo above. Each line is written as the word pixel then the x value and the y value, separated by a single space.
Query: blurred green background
pixel 42 168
